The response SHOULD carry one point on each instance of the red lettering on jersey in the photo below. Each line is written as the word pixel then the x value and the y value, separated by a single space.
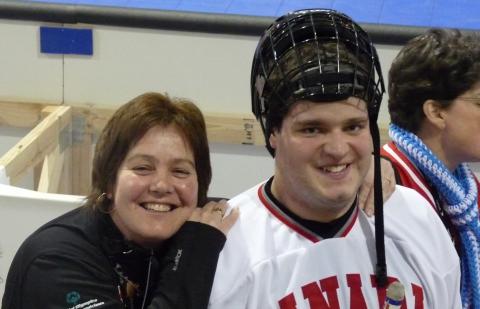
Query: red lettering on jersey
pixel 418 294
pixel 288 302
pixel 382 292
pixel 330 286
pixel 357 301
pixel 314 295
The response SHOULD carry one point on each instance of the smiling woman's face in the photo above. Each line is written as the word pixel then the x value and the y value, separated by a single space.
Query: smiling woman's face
pixel 156 187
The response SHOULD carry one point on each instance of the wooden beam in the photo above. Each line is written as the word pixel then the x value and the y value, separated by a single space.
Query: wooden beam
pixel 51 171
pixel 83 132
pixel 20 115
pixel 221 128
pixel 37 169
pixel 40 141
pixel 234 129
pixel 66 183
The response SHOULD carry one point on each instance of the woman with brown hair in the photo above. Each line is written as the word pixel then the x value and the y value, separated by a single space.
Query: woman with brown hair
pixel 140 241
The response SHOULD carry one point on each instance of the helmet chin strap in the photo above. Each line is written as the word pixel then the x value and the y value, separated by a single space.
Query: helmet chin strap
pixel 381 267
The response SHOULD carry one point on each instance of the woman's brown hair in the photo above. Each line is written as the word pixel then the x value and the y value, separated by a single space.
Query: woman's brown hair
pixel 129 124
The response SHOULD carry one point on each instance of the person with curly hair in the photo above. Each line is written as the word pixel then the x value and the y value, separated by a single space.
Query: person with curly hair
pixel 434 105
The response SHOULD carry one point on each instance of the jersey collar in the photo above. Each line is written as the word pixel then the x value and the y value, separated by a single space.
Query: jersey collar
pixel 281 213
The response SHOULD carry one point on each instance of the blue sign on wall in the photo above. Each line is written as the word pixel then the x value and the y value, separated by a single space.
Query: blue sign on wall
pixel 60 40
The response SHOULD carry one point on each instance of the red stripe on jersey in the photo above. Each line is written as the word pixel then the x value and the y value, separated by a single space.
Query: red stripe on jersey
pixel 350 223
pixel 410 176
pixel 284 219
pixel 296 226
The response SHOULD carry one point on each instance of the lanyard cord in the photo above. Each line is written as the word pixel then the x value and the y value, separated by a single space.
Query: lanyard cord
pixel 148 279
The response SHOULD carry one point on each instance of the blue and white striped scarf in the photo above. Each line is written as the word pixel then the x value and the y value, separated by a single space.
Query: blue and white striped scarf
pixel 459 195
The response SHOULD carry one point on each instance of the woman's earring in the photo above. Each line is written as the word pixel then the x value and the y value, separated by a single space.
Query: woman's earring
pixel 103 203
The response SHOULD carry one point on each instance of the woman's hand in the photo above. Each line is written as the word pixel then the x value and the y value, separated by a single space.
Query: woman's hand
pixel 365 196
pixel 213 214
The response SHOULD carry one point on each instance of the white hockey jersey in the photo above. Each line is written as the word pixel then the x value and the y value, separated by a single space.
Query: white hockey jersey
pixel 271 261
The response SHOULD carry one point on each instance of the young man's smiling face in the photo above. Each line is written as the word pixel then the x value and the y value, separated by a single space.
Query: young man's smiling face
pixel 322 154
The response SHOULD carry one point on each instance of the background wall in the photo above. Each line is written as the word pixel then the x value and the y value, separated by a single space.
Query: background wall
pixel 211 69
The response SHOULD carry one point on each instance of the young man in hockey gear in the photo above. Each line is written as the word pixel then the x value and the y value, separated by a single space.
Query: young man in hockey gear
pixel 434 104
pixel 301 240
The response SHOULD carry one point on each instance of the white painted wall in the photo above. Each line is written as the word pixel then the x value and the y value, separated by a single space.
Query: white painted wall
pixel 26 74
pixel 213 70
pixel 33 209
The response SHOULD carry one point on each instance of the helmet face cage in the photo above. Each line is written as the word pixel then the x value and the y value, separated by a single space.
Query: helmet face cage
pixel 317 55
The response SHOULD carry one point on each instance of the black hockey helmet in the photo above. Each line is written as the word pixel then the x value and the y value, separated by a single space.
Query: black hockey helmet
pixel 318 55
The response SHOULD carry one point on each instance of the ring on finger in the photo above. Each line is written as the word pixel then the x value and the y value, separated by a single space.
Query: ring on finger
pixel 218 209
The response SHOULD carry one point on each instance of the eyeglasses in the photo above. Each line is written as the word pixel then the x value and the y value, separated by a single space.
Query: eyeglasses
pixel 474 100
